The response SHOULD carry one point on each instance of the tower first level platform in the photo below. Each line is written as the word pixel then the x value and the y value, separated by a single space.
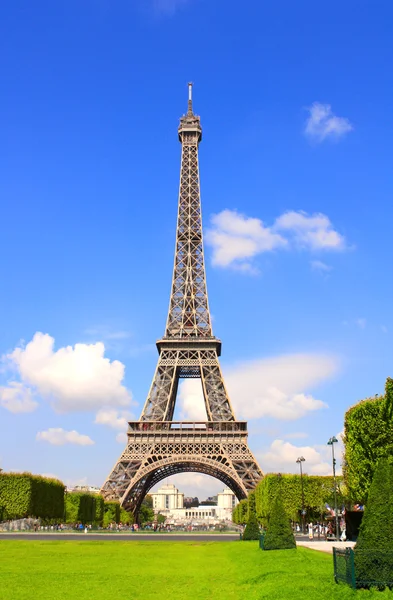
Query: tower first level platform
pixel 156 450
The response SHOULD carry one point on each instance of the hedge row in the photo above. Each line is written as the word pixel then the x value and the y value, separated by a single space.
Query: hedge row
pixel 368 436
pixel 26 495
pixel 81 507
pixel 240 513
pixel 318 491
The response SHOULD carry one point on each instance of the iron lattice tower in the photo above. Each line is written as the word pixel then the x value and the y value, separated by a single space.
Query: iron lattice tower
pixel 158 447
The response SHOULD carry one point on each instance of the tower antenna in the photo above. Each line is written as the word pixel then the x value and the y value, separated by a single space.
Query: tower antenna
pixel 190 98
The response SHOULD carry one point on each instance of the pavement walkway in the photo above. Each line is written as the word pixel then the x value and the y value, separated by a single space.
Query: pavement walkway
pixel 323 546
pixel 123 537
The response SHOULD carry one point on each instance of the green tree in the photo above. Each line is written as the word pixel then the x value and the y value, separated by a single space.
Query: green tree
pixel 146 512
pixel 368 436
pixel 373 550
pixel 279 534
pixel 161 519
pixel 126 517
pixel 111 513
pixel 146 515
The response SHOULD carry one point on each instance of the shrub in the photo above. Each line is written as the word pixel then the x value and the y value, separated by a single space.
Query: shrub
pixel 251 531
pixel 373 550
pixel 279 535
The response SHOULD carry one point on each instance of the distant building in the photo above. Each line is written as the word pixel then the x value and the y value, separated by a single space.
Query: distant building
pixel 90 489
pixel 167 497
pixel 169 502
pixel 189 501
pixel 226 499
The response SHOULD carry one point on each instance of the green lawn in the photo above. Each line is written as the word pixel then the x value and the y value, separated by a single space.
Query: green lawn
pixel 179 570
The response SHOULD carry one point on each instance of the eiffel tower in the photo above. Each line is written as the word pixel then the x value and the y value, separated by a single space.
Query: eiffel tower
pixel 157 447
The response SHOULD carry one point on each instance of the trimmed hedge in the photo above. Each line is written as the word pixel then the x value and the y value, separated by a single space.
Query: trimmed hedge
pixel 26 495
pixel 368 436
pixel 81 507
pixel 318 490
pixel 373 550
pixel 240 513
pixel 279 534
pixel 99 509
pixel 76 508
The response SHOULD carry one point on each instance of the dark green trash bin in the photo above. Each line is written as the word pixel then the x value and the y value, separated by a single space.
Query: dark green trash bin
pixel 262 541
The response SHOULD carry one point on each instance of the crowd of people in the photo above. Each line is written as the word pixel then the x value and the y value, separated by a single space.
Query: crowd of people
pixel 324 531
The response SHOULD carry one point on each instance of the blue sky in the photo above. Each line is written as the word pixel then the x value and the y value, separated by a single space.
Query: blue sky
pixel 295 101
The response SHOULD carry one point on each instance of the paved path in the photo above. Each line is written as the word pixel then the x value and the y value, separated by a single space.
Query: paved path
pixel 325 546
pixel 123 537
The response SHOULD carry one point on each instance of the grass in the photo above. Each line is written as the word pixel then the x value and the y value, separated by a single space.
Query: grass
pixel 134 570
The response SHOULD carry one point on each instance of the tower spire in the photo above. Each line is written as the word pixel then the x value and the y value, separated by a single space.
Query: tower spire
pixel 189 113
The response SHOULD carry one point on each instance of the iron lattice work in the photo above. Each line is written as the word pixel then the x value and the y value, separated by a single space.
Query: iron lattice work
pixel 158 447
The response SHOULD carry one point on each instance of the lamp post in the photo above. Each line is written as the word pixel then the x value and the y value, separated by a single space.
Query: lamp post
pixel 333 440
pixel 301 460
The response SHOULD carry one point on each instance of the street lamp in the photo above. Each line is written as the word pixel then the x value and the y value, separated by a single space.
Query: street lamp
pixel 300 460
pixel 333 440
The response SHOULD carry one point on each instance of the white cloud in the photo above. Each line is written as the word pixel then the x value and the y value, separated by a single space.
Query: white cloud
pixel 323 124
pixel 113 418
pixel 75 378
pixel 59 437
pixel 314 232
pixel 236 239
pixel 275 387
pixel 190 400
pixel 270 387
pixel 16 398
pixel 281 456
pixel 361 323
pixel 318 265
